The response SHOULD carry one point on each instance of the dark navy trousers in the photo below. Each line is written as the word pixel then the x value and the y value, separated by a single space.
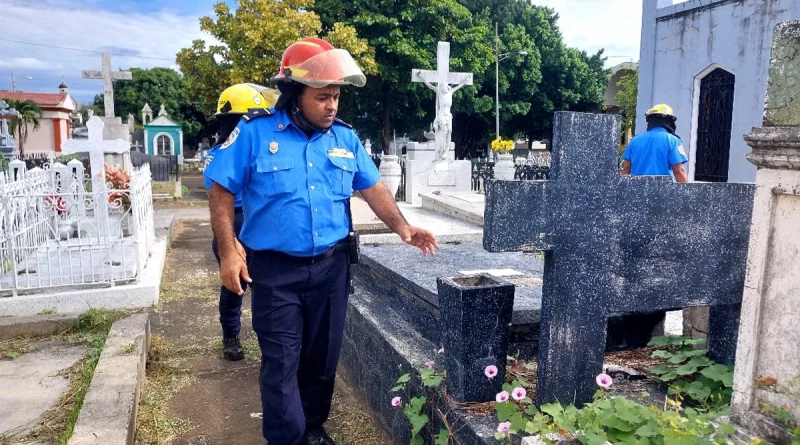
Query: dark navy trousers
pixel 230 304
pixel 299 308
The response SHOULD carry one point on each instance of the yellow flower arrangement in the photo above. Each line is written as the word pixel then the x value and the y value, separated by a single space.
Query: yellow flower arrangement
pixel 501 146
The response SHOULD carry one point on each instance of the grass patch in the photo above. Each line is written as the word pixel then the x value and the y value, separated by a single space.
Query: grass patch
pixel 350 423
pixel 164 378
pixel 47 312
pixel 91 330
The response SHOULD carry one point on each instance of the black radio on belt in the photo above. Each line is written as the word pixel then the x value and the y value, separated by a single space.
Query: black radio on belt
pixel 353 238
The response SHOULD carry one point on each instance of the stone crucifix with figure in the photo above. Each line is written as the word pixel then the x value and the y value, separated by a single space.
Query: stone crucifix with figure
pixel 444 83
pixel 108 77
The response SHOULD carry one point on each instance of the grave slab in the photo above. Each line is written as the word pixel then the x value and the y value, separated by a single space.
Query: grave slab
pixel 618 245
pixel 31 384
pixel 407 280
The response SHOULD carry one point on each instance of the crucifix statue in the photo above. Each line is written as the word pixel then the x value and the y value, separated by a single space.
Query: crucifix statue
pixel 447 83
pixel 108 86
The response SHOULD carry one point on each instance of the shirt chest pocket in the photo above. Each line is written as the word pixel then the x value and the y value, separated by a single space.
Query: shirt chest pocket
pixel 275 176
pixel 341 175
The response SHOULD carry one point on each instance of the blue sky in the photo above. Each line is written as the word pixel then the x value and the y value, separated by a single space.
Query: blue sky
pixel 148 33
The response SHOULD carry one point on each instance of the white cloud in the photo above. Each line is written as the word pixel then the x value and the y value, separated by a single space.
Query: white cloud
pixel 23 63
pixel 591 25
pixel 156 37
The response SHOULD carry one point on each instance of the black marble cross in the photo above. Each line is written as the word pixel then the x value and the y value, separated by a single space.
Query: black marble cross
pixel 617 245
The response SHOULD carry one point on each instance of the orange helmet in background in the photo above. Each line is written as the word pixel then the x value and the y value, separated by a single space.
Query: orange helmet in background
pixel 317 63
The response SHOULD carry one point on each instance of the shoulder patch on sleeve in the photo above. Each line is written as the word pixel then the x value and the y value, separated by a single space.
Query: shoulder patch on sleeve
pixel 341 122
pixel 255 113
pixel 231 139
pixel 682 151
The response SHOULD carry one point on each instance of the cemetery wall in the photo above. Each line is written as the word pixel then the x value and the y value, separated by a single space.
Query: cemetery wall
pixel 683 43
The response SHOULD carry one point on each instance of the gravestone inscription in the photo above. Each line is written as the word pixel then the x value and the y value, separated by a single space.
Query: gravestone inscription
pixel 617 245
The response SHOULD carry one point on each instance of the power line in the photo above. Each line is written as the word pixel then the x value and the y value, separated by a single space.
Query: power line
pixel 83 50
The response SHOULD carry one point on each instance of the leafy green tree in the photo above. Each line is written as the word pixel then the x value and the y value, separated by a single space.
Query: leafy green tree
pixel 566 79
pixel 404 35
pixel 253 37
pixel 155 86
pixel 626 99
pixel 30 116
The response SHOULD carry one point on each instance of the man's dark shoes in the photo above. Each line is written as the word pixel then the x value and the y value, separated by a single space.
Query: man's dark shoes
pixel 317 436
pixel 232 349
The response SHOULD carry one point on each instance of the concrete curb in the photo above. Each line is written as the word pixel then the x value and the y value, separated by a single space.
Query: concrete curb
pixel 108 415
pixel 143 294
pixel 36 325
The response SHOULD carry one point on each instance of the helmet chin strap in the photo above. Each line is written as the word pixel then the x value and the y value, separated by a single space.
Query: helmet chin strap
pixel 303 123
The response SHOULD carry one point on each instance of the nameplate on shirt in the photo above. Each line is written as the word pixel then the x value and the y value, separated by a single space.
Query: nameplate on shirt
pixel 340 153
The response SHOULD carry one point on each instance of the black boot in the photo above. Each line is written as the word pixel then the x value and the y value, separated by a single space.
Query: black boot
pixel 317 436
pixel 232 349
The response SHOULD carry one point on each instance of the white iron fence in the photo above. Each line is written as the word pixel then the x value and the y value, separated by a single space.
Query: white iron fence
pixel 52 235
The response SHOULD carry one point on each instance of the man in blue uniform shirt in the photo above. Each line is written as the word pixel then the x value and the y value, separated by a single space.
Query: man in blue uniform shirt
pixel 234 103
pixel 659 152
pixel 296 167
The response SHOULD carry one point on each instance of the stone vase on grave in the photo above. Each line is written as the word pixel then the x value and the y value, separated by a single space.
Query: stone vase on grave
pixel 504 168
pixel 390 173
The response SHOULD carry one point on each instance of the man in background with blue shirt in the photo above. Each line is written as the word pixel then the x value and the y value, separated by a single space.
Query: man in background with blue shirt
pixel 234 103
pixel 659 152
pixel 296 167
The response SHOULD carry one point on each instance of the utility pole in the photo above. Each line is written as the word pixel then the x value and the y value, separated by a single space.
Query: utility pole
pixel 496 82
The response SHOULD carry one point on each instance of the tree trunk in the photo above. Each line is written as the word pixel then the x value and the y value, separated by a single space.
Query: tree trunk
pixel 386 124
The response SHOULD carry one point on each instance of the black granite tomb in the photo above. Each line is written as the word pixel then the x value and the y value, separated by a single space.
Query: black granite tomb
pixel 618 245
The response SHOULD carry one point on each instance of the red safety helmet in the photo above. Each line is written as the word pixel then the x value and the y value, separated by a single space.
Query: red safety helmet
pixel 317 63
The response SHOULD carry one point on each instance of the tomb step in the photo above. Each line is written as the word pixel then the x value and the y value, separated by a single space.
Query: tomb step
pixel 379 346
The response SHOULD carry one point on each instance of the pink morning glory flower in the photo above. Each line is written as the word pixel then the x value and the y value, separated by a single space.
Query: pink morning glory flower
pixel 490 371
pixel 518 394
pixel 397 401
pixel 604 380
pixel 430 363
pixel 504 427
pixel 501 397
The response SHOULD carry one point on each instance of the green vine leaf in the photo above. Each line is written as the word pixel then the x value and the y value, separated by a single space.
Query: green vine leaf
pixel 416 440
pixel 443 438
pixel 418 422
pixel 403 378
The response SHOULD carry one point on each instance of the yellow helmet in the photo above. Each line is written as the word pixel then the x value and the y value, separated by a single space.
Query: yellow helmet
pixel 239 98
pixel 663 110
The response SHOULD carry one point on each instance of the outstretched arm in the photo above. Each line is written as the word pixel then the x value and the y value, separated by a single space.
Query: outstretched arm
pixel 383 204
pixel 425 81
pixel 458 87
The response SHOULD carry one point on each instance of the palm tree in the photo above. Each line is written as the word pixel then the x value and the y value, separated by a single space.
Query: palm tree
pixel 30 114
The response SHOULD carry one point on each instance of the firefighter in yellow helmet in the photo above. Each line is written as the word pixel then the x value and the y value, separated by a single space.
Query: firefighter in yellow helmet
pixel 659 152
pixel 234 103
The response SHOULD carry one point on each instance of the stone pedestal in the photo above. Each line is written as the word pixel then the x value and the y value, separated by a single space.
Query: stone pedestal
pixel 425 175
pixel 475 317
pixel 767 374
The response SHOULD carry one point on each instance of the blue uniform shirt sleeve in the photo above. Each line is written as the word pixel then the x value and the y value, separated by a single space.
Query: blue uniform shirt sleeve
pixel 367 174
pixel 626 155
pixel 230 166
pixel 677 155
pixel 209 158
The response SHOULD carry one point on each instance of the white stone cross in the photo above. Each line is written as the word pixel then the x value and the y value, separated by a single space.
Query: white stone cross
pixel 97 147
pixel 137 146
pixel 444 80
pixel 108 86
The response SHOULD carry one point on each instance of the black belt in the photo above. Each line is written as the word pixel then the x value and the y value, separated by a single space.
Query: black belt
pixel 307 260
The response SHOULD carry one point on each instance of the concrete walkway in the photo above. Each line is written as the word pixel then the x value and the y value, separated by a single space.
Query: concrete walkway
pixel 221 401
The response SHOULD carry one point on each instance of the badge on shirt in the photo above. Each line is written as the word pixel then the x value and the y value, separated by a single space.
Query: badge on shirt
pixel 231 139
pixel 682 151
pixel 273 147
pixel 340 153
